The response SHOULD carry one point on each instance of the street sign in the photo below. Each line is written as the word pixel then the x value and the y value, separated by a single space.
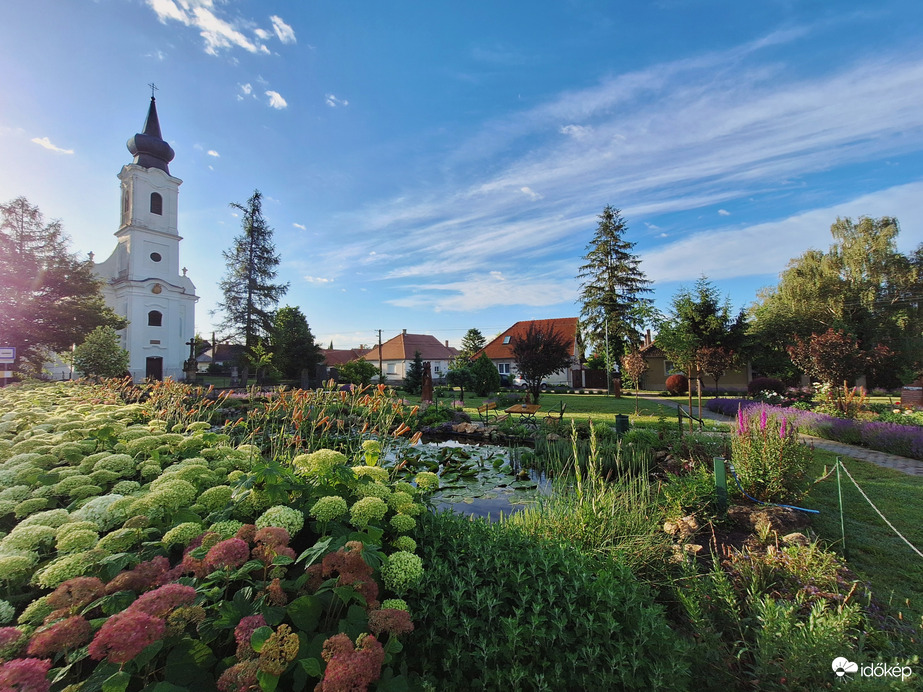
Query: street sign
pixel 7 354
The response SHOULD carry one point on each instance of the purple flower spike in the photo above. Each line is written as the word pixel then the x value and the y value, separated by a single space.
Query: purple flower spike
pixel 783 427
pixel 763 420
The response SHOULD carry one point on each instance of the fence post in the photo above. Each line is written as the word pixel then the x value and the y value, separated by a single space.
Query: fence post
pixel 839 490
pixel 721 483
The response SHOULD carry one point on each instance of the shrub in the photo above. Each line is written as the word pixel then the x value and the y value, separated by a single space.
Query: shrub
pixel 677 384
pixel 497 609
pixel 765 384
pixel 771 461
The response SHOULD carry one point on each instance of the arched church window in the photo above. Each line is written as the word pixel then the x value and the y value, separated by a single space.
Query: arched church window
pixel 154 318
pixel 156 203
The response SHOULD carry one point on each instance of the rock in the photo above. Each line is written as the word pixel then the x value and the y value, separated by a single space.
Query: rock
pixel 795 538
pixel 693 548
pixel 670 527
pixel 688 525
pixel 780 519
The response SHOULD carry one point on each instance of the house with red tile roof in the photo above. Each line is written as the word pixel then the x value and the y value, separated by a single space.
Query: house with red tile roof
pixel 337 356
pixel 500 350
pixel 398 353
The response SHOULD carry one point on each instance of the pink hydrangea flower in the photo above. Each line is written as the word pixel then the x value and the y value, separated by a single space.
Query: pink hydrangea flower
pixel 144 577
pixel 231 554
pixel 272 535
pixel 61 636
pixel 247 626
pixel 241 677
pixel 76 593
pixel 161 601
pixel 25 675
pixel 350 669
pixel 11 640
pixel 125 635
pixel 391 620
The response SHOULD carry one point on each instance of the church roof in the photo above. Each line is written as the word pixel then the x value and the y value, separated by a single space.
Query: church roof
pixel 148 147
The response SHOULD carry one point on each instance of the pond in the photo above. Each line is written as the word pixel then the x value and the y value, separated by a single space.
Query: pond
pixel 478 480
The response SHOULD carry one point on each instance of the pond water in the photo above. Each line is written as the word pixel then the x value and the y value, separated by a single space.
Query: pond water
pixel 478 480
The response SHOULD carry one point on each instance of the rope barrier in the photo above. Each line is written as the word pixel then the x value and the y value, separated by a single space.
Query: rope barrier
pixel 883 517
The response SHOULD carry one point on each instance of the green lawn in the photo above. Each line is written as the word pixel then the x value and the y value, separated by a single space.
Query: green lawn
pixel 579 407
pixel 874 551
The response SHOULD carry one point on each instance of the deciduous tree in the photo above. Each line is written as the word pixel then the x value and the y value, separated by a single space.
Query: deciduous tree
pixel 292 343
pixel 50 298
pixel 612 288
pixel 634 365
pixel 861 285
pixel 358 372
pixel 540 352
pixel 101 354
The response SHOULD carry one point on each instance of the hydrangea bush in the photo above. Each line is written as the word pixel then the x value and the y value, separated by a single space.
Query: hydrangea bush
pixel 136 539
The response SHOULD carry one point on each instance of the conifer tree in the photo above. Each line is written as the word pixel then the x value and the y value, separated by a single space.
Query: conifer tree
pixel 249 292
pixel 612 288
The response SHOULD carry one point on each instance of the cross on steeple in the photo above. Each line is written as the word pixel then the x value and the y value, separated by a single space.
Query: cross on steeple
pixel 153 88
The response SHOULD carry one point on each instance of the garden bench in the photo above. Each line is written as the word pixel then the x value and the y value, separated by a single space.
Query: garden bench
pixel 484 412
pixel 556 415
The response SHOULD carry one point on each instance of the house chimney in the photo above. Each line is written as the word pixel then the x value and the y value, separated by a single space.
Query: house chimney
pixel 405 332
pixel 647 338
pixel 446 343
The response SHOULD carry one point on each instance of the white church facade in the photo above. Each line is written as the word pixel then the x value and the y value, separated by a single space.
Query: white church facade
pixel 142 280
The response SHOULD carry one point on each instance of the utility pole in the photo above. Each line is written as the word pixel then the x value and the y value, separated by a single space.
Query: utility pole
pixel 381 374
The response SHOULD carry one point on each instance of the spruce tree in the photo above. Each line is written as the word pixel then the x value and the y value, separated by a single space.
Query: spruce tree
pixel 612 288
pixel 249 292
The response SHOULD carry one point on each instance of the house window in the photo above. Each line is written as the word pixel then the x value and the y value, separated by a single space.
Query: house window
pixel 392 368
pixel 154 318
pixel 506 340
pixel 669 368
pixel 156 257
pixel 503 368
pixel 156 204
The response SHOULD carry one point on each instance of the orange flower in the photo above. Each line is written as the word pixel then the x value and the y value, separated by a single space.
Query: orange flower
pixel 402 428
pixel 416 437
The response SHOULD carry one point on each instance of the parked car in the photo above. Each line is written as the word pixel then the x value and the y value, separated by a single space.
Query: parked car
pixel 519 383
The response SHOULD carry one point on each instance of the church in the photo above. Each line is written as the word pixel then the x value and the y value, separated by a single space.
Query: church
pixel 142 280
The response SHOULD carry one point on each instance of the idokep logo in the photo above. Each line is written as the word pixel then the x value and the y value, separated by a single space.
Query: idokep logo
pixel 841 666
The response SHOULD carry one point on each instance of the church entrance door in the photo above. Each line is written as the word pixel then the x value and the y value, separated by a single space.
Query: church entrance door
pixel 154 368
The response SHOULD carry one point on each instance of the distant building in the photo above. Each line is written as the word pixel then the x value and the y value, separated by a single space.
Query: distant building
pixel 398 353
pixel 500 350
pixel 659 368
pixel 142 278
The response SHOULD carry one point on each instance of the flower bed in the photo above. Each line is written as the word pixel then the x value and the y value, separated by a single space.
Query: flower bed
pixel 140 548
pixel 893 438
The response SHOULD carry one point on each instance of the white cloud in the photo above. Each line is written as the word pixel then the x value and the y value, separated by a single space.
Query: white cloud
pixel 300 226
pixel 46 143
pixel 333 101
pixel 766 248
pixel 723 212
pixel 276 101
pixel 482 291
pixel 285 33
pixel 212 152
pixel 531 194
pixel 218 29
pixel 317 280
pixel 576 131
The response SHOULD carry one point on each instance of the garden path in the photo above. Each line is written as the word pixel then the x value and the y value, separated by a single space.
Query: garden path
pixel 912 467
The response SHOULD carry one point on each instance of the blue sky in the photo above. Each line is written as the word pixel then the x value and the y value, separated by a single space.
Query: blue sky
pixel 440 166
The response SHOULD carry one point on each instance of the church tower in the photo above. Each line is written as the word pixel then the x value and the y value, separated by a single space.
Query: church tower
pixel 142 277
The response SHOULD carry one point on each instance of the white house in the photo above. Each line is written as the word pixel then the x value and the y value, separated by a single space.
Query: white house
pixel 398 353
pixel 142 278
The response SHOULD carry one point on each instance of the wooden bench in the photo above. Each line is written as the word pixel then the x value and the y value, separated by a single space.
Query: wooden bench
pixel 484 413
pixel 556 415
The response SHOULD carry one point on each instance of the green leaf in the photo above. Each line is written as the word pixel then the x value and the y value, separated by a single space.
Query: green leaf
pixel 305 612
pixel 282 560
pixel 189 664
pixel 117 683
pixel 312 667
pixel 267 681
pixel 259 637
pixel 314 552
pixel 273 615
pixel 147 655
pixel 164 687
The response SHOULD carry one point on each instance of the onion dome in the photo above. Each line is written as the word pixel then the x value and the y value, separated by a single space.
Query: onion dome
pixel 148 147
